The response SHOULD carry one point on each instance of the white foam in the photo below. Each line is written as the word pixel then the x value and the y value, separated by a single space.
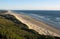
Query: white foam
pixel 58 18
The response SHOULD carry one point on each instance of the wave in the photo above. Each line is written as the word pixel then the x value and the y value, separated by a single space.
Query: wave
pixel 58 18
pixel 46 20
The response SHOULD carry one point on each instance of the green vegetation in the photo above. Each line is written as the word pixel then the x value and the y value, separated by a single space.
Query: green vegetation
pixel 11 28
pixel 3 11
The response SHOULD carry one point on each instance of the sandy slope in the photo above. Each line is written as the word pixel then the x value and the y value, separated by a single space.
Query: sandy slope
pixel 36 25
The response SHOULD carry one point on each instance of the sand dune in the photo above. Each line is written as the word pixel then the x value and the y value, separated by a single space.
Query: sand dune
pixel 36 25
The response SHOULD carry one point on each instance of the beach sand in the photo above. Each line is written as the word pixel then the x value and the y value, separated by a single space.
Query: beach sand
pixel 36 25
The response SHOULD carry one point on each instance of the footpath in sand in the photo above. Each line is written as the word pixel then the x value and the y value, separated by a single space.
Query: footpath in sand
pixel 36 25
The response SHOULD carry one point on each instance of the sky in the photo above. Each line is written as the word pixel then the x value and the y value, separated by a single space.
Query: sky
pixel 30 4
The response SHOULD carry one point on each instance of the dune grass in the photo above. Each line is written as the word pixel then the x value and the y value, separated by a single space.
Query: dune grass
pixel 13 29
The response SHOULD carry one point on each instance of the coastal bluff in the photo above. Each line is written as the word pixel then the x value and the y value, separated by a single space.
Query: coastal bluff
pixel 36 25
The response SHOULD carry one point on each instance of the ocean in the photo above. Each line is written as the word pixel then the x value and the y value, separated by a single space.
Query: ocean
pixel 49 17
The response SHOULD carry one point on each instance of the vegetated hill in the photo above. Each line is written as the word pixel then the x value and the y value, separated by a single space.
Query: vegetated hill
pixel 11 28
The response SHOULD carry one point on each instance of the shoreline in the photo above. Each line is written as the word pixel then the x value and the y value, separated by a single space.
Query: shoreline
pixel 36 25
pixel 47 24
pixel 45 21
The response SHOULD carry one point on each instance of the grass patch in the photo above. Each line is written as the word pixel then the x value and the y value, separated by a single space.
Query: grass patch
pixel 11 28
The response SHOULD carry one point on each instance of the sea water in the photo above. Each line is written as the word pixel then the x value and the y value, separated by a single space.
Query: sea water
pixel 49 17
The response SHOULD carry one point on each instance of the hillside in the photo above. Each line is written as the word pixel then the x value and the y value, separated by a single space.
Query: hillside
pixel 11 28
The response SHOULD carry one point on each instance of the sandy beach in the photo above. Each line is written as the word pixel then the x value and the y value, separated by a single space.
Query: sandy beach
pixel 36 25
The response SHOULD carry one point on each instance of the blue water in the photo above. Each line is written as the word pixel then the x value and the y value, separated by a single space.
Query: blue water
pixel 50 17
